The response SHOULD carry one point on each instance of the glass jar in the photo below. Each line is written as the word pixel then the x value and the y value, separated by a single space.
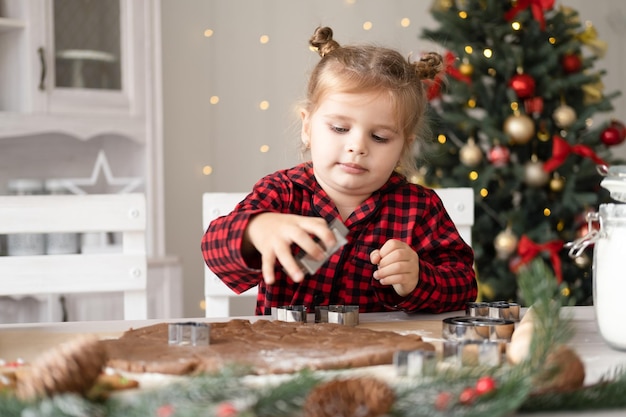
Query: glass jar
pixel 609 280
pixel 25 244
pixel 60 243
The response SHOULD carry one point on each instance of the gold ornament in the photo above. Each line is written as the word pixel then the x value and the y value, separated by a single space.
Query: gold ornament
pixel 557 183
pixel 505 243
pixel 564 116
pixel 534 174
pixel 582 261
pixel 520 128
pixel 470 154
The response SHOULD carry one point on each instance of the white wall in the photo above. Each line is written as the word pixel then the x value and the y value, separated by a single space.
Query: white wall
pixel 235 66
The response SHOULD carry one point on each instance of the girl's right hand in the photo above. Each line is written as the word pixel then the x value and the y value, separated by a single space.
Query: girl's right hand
pixel 272 235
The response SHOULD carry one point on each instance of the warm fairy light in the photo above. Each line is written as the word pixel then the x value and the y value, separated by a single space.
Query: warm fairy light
pixel 207 170
pixel 463 14
pixel 469 49
pixel 405 22
pixel 565 292
pixel 203 305
pixel 488 53
pixel 547 212
pixel 514 106
pixel 516 25
pixel 552 40
pixel 484 192
pixel 350 1
pixel 214 100
pixel 367 25
pixel 208 33
pixel 473 176
pixel 442 138
pixel 471 103
pixel 264 39
pixel 264 148
pixel 264 105
pixel 560 226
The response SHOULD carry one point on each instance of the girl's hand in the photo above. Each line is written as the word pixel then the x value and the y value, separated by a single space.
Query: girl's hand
pixel 272 235
pixel 398 265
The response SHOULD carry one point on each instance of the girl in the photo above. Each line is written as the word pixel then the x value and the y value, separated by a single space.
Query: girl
pixel 363 114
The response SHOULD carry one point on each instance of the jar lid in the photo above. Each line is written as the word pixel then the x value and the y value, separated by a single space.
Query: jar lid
pixel 25 185
pixel 614 181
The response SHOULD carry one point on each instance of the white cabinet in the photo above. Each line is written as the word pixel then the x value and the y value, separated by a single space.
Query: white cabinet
pixel 80 98
pixel 75 66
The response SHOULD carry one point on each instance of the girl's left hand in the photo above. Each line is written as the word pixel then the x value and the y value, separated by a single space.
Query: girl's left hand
pixel 398 265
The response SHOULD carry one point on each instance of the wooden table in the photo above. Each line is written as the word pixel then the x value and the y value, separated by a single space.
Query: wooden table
pixel 27 341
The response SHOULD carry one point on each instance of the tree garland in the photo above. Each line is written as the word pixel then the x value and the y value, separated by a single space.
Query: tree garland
pixel 226 394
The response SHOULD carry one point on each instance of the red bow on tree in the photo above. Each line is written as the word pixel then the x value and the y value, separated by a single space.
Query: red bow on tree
pixel 561 149
pixel 528 250
pixel 537 7
pixel 434 88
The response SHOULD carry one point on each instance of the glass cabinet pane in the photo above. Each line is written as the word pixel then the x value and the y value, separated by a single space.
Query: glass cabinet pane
pixel 87 44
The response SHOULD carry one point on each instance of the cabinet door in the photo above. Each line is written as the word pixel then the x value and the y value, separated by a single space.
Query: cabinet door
pixel 90 55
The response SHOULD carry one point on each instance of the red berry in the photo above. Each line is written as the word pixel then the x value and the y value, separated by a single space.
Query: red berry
pixel 443 401
pixel 467 396
pixel 485 385
pixel 225 409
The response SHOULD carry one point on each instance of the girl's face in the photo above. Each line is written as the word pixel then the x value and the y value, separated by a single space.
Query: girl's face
pixel 355 142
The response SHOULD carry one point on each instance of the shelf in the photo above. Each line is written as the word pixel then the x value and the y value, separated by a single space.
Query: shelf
pixel 7 24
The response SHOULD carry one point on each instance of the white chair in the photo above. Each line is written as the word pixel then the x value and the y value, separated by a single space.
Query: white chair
pixel 124 270
pixel 217 295
pixel 459 202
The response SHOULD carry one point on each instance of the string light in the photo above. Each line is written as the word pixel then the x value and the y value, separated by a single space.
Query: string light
pixel 264 105
pixel 463 14
pixel 264 148
pixel 473 176
pixel 488 53
pixel 405 22
pixel 214 100
pixel 264 39
pixel 469 49
pixel 208 33
pixel 207 170
pixel 441 138
pixel 547 212
pixel 484 192
pixel 367 25
pixel 516 25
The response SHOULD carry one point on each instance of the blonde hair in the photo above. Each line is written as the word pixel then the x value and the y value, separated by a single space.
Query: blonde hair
pixel 357 68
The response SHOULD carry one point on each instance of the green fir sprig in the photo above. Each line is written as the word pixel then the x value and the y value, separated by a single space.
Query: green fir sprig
pixel 230 393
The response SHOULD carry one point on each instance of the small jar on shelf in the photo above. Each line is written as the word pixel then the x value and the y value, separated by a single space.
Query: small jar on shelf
pixel 25 244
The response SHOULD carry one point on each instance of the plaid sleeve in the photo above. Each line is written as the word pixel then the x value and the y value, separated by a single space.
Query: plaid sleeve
pixel 447 279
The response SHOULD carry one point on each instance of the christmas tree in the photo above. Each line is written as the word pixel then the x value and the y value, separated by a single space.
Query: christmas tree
pixel 516 116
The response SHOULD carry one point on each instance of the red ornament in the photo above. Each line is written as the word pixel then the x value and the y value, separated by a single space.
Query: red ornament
pixel 619 126
pixel 523 85
pixel 166 410
pixel 499 156
pixel 225 409
pixel 442 402
pixel 485 385
pixel 467 396
pixel 611 136
pixel 571 63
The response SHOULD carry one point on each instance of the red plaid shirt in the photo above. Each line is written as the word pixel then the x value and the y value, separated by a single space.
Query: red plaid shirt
pixel 398 210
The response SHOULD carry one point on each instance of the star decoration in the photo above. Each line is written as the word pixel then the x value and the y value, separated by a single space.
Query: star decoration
pixel 101 169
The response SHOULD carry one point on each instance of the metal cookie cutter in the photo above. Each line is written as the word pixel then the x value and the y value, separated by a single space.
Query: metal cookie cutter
pixel 338 314
pixel 310 265
pixel 477 309
pixel 477 329
pixel 292 314
pixel 188 334
pixel 415 362
pixel 472 353
pixel 504 310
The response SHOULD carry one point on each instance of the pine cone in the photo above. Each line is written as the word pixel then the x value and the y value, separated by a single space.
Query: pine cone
pixel 356 397
pixel 563 371
pixel 70 367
